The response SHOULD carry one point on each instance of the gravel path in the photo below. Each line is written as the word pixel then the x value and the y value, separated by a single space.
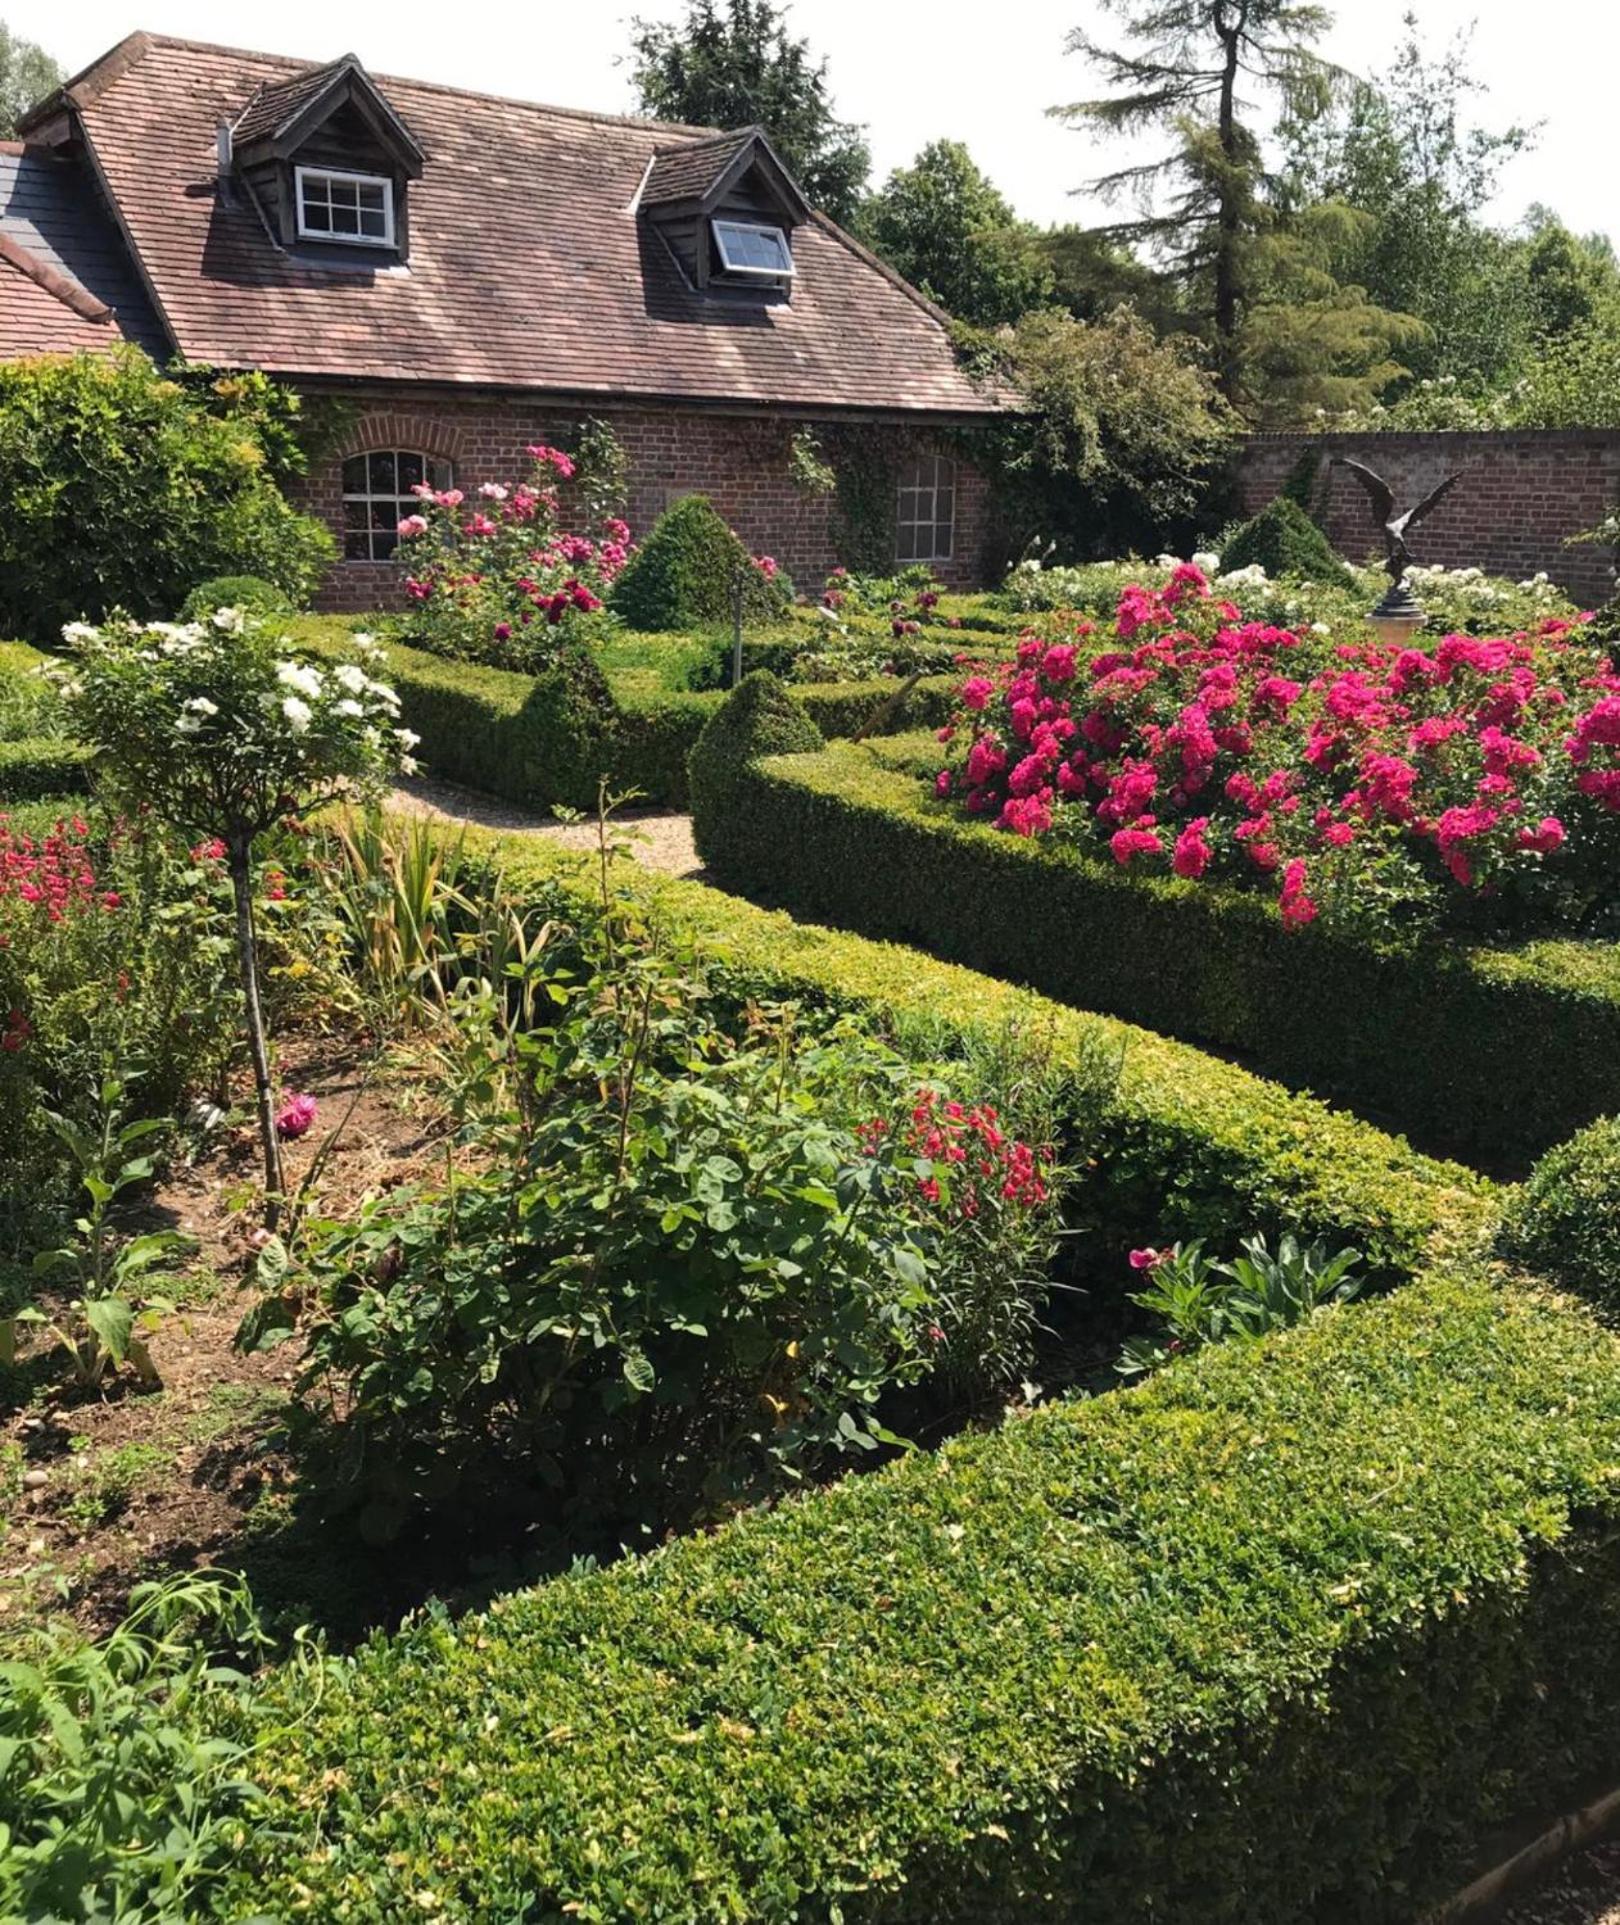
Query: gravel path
pixel 660 839
pixel 1585 1891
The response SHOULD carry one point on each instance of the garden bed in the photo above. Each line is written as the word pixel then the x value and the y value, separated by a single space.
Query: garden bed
pixel 1494 1050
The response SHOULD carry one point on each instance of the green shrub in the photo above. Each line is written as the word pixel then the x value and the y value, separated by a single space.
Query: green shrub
pixel 1565 1222
pixel 1193 1143
pixel 121 489
pixel 1502 1049
pixel 758 718
pixel 33 768
pixel 681 576
pixel 1282 1635
pixel 1284 541
pixel 246 592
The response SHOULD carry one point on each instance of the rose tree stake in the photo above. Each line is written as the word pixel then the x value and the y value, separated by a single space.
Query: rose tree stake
pixel 221 730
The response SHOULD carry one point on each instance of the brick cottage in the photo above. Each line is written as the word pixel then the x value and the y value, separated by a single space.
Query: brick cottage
pixel 474 274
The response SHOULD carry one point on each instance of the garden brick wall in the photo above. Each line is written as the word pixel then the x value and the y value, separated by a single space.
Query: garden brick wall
pixel 1521 496
pixel 740 461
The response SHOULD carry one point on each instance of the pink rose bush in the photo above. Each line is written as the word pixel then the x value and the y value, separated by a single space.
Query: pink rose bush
pixel 1369 782
pixel 499 579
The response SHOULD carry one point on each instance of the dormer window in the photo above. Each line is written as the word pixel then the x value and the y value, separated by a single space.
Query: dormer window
pixel 336 205
pixel 753 251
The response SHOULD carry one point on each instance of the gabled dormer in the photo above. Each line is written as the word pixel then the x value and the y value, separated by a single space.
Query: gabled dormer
pixel 727 207
pixel 329 162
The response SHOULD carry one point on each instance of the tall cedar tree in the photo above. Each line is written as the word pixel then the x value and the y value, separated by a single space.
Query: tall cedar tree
pixel 27 75
pixel 738 66
pixel 1284 334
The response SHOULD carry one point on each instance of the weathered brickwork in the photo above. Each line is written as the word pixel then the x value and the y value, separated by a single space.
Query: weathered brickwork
pixel 1521 497
pixel 739 461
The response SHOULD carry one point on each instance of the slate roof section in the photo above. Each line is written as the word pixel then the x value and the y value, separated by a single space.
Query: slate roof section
pixel 278 103
pixel 68 279
pixel 528 268
pixel 688 171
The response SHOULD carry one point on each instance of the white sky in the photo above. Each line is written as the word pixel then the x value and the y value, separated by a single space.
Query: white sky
pixel 915 70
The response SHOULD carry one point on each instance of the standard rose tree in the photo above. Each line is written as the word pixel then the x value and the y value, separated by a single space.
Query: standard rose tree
pixel 219 729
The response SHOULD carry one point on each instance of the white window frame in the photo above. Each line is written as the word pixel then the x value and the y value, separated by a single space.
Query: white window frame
pixel 306 233
pixel 931 479
pixel 748 272
pixel 436 470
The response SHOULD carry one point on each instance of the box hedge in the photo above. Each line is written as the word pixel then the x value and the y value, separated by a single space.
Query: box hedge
pixel 35 766
pixel 1500 1051
pixel 1280 1636
pixel 547 739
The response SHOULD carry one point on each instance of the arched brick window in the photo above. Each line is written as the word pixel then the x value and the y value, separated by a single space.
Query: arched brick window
pixel 925 513
pixel 377 497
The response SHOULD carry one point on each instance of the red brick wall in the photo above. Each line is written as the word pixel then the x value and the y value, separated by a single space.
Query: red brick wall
pixel 1520 498
pixel 739 461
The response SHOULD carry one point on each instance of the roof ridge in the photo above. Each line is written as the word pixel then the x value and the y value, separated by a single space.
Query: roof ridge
pixel 294 64
pixel 61 286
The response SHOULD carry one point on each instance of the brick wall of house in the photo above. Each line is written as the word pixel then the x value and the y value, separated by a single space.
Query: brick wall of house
pixel 739 461
pixel 1520 498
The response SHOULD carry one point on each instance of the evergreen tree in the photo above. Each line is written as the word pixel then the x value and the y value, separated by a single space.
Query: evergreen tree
pixel 1287 336
pixel 736 65
pixel 27 75
pixel 943 225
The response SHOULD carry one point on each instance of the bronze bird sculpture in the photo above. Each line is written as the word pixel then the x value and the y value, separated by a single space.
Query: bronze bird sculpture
pixel 1396 527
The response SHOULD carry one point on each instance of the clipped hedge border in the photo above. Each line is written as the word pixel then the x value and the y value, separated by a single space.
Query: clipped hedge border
pixel 1196 1146
pixel 1501 1051
pixel 492 730
pixel 38 766
pixel 1281 1636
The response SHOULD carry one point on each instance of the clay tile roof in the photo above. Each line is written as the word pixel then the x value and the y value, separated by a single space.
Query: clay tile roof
pixel 687 171
pixel 55 237
pixel 530 267
pixel 278 103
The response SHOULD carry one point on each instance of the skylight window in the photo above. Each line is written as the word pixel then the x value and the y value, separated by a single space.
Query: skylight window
pixel 335 205
pixel 752 249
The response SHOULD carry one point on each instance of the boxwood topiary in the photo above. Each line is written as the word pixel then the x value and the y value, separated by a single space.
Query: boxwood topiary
pixel 250 593
pixel 759 717
pixel 1284 540
pixel 681 575
pixel 1565 1223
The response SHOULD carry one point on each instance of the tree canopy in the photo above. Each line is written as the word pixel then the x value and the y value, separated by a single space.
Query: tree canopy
pixel 27 74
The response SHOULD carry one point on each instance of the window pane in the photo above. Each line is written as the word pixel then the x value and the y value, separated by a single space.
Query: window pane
pixel 370 193
pixel 383 546
pixel 317 219
pixel 906 548
pixel 354 475
pixel 910 505
pixel 345 221
pixel 372 222
pixel 357 547
pixel 356 515
pixel 410 472
pixel 381 475
pixel 343 193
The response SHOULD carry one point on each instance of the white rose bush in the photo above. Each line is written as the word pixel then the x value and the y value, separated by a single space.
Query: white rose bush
pixel 221 729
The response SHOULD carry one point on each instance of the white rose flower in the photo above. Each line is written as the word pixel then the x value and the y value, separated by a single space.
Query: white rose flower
pixel 300 676
pixel 348 675
pixel 299 714
pixel 229 621
pixel 200 705
pixel 73 633
pixel 188 725
pixel 349 706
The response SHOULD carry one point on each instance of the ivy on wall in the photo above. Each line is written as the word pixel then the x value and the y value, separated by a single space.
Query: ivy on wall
pixel 865 458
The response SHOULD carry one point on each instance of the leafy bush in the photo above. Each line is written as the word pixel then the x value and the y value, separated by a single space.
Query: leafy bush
pixel 1201 1301
pixel 686 1263
pixel 123 489
pixel 121 1794
pixel 1284 541
pixel 1277 1636
pixel 503 582
pixel 245 592
pixel 681 576
pixel 1565 1222
pixel 758 718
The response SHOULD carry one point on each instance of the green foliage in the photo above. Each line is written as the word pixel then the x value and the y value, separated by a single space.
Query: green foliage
pixel 682 575
pixel 1200 1301
pixel 1397 1028
pixel 1565 1222
pixel 601 472
pixel 1084 1663
pixel 758 718
pixel 27 75
pixel 1193 1142
pixel 734 63
pixel 943 225
pixel 122 490
pixel 245 592
pixel 1284 541
pixel 1118 440
pixel 120 1794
